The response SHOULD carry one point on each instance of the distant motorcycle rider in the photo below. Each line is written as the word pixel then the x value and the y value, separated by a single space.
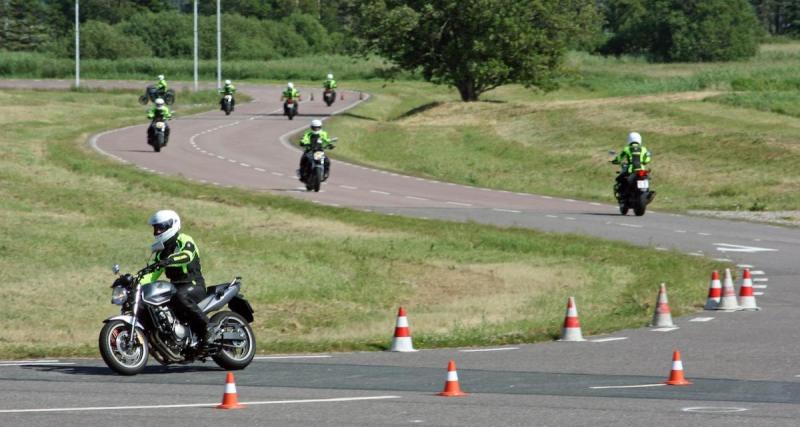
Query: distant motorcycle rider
pixel 329 83
pixel 290 93
pixel 633 157
pixel 315 133
pixel 161 85
pixel 176 255
pixel 159 112
pixel 228 89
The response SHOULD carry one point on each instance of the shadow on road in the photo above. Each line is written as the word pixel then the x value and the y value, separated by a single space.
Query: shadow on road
pixel 105 371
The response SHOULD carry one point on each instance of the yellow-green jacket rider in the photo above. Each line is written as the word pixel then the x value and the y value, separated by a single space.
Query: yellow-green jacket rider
pixel 290 92
pixel 176 255
pixel 159 110
pixel 634 156
pixel 330 83
pixel 161 85
pixel 228 89
pixel 305 159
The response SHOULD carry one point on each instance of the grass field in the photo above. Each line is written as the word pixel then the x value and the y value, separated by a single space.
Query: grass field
pixel 320 278
pixel 717 131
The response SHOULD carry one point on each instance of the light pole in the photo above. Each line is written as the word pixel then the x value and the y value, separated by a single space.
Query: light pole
pixel 77 45
pixel 195 45
pixel 219 48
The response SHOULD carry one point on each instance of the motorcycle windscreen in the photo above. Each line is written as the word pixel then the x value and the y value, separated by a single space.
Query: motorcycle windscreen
pixel 158 292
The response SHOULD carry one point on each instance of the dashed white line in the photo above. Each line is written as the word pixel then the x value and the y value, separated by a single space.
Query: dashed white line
pixel 760 279
pixel 694 253
pixel 547 197
pixel 704 234
pixel 244 165
pixel 476 350
pixel 299 356
pixel 505 210
pixel 277 173
pixel 551 216
pixel 679 231
pixel 631 225
pixel 757 273
pixel 760 286
pixel 569 218
pixel 628 386
pixel 348 187
pixel 664 329
pixel 609 339
pixel 232 161
pixel 459 204
pixel 221 158
pixel 595 204
pixel 744 265
pixel 260 170
pixel 701 319
pixel 416 198
pixel 380 192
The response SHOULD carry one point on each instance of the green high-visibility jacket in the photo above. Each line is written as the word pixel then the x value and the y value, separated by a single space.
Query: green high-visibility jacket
pixel 229 89
pixel 183 259
pixel 291 93
pixel 635 156
pixel 329 84
pixel 165 113
pixel 162 85
pixel 323 137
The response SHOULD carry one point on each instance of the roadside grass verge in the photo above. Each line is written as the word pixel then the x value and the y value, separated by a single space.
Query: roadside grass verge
pixel 319 278
pixel 40 66
pixel 712 143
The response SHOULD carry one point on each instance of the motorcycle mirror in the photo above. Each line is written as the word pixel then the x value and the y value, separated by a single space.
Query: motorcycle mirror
pixel 115 268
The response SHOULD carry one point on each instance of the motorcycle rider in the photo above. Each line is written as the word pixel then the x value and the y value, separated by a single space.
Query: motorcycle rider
pixel 633 157
pixel 156 113
pixel 161 85
pixel 291 93
pixel 330 84
pixel 228 89
pixel 313 133
pixel 176 254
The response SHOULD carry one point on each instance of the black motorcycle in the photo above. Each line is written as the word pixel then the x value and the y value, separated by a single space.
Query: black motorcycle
pixel 227 103
pixel 634 193
pixel 316 164
pixel 290 108
pixel 152 93
pixel 158 134
pixel 329 96
pixel 147 325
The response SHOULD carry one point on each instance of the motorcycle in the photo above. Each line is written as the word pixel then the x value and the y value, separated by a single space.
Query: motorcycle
pixel 157 134
pixel 329 96
pixel 637 193
pixel 290 108
pixel 317 164
pixel 227 104
pixel 148 326
pixel 152 93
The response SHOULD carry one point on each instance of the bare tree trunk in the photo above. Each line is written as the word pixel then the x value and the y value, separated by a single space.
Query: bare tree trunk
pixel 467 90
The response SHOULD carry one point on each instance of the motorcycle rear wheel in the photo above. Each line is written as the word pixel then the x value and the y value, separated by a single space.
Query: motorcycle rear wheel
pixel 641 204
pixel 169 97
pixel 236 354
pixel 119 355
pixel 143 99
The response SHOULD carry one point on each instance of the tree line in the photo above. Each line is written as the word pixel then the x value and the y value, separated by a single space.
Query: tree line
pixel 472 45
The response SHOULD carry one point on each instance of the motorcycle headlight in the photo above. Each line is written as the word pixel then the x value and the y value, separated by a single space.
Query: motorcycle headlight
pixel 119 295
pixel 318 155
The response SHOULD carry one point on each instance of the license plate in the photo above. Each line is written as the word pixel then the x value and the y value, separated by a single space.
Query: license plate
pixel 643 184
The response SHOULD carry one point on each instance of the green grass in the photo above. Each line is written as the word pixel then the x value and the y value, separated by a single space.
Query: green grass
pixel 320 278
pixel 34 65
pixel 713 144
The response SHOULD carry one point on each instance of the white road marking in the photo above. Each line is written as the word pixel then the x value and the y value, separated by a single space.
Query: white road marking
pixel 349 187
pixel 701 319
pixel 664 329
pixel 379 192
pixel 680 231
pixel 279 174
pixel 744 265
pixel 627 386
pixel 609 339
pixel 723 260
pixel 728 247
pixel 232 161
pixel 570 200
pixel 760 279
pixel 569 218
pixel 757 273
pixel 221 158
pixel 712 409
pixel 595 204
pixel 758 293
pixel 476 350
pixel 547 197
pixel 631 225
pixel 551 216
pixel 195 405
pixel 760 286
pixel 260 170
pixel 704 234
pixel 505 210
pixel 459 204
pixel 416 198
pixel 244 165
pixel 694 253
pixel 33 362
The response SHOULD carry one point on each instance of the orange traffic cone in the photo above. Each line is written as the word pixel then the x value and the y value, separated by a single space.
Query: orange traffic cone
pixel 451 387
pixel 402 335
pixel 676 375
pixel 360 96
pixel 747 301
pixel 662 318
pixel 312 96
pixel 728 301
pixel 341 96
pixel 572 326
pixel 714 292
pixel 230 399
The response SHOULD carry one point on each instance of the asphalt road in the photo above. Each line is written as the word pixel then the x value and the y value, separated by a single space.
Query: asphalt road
pixel 743 364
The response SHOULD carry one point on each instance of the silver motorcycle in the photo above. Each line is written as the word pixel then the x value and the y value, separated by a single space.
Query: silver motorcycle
pixel 147 325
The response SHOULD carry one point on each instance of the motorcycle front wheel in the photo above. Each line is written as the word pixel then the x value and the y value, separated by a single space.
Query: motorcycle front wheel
pixel 120 354
pixel 143 99
pixel 235 353
pixel 169 97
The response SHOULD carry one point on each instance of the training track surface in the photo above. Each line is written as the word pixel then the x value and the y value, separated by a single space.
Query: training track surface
pixel 743 361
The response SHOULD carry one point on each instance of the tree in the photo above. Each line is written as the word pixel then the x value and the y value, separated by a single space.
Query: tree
pixel 474 45
pixel 23 25
pixel 682 30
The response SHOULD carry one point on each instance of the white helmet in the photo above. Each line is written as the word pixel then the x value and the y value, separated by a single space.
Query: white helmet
pixel 634 137
pixel 330 76
pixel 159 102
pixel 166 224
pixel 290 85
pixel 161 77
pixel 227 82
pixel 316 126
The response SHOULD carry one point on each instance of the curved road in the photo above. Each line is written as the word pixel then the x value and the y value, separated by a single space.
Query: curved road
pixel 743 363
